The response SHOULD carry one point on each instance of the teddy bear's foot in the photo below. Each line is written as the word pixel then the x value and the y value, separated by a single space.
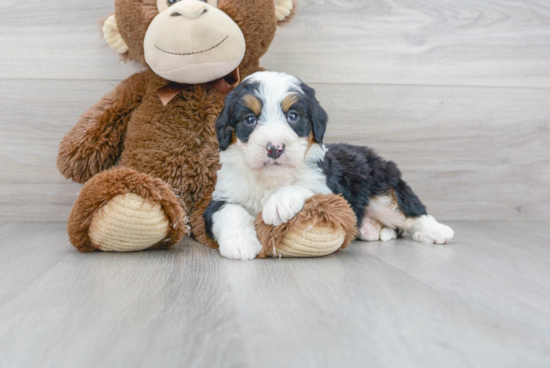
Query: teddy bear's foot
pixel 121 210
pixel 326 224
pixel 309 241
pixel 128 223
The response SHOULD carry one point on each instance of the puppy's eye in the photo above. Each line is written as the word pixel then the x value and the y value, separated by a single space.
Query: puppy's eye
pixel 251 120
pixel 292 117
pixel 172 2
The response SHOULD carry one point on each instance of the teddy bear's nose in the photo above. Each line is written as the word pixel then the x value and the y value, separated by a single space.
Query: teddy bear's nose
pixel 189 9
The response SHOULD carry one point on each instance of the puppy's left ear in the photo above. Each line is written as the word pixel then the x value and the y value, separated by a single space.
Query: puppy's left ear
pixel 224 131
pixel 319 117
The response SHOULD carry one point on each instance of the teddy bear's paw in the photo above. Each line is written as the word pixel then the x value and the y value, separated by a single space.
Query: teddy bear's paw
pixel 309 241
pixel 325 224
pixel 122 210
pixel 241 244
pixel 128 223
pixel 281 207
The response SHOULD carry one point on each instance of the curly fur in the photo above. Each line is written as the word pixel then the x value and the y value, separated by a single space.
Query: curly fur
pixel 96 141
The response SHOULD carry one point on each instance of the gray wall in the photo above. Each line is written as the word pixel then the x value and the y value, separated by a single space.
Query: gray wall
pixel 457 92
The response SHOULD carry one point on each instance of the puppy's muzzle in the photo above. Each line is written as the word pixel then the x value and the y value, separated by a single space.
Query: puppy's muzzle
pixel 275 151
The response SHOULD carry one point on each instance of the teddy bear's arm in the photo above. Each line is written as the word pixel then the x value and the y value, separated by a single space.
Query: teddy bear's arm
pixel 96 141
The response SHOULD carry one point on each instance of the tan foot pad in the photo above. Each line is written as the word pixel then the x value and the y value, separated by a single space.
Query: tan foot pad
pixel 128 223
pixel 311 241
pixel 326 224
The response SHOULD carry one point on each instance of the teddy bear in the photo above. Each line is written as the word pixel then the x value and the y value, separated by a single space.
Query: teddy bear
pixel 147 152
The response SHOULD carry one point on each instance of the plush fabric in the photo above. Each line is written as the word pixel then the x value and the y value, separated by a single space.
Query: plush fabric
pixel 256 18
pixel 112 36
pixel 285 10
pixel 103 188
pixel 203 51
pixel 325 224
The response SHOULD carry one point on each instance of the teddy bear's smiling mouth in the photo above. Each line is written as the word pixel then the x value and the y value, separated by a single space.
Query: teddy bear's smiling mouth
pixel 193 53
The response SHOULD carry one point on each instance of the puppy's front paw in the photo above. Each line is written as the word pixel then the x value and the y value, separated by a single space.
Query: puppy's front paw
pixel 435 234
pixel 280 208
pixel 243 245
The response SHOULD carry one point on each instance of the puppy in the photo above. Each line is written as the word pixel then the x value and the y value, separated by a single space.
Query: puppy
pixel 273 159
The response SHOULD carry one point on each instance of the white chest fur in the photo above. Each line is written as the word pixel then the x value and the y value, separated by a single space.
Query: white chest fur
pixel 239 184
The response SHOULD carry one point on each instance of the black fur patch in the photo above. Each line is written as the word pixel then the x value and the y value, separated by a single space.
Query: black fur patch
pixel 302 127
pixel 358 173
pixel 208 215
pixel 317 115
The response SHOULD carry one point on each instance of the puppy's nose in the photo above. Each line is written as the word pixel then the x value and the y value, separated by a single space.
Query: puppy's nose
pixel 275 151
pixel 190 10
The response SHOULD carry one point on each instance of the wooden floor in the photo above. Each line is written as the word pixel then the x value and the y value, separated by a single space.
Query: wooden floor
pixel 482 301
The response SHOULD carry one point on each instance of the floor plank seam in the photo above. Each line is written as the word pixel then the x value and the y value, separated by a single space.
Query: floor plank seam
pixel 318 83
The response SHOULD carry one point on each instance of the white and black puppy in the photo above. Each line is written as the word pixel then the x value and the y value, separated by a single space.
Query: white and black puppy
pixel 273 159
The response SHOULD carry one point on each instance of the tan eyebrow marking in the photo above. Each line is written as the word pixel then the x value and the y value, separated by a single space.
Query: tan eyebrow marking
pixel 253 104
pixel 289 100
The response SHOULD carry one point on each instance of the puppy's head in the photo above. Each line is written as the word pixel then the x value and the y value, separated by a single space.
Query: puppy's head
pixel 272 119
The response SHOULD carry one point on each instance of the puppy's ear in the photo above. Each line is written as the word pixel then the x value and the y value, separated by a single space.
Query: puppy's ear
pixel 319 117
pixel 223 130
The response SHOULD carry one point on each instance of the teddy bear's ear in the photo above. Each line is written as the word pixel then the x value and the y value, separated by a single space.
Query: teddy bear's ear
pixel 285 11
pixel 113 37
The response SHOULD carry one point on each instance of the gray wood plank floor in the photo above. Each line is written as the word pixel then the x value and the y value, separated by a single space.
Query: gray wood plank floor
pixel 482 301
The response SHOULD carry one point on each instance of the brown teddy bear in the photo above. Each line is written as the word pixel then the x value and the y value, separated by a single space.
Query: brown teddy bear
pixel 147 151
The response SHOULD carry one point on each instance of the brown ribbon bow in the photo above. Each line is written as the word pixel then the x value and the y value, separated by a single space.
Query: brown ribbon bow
pixel 225 85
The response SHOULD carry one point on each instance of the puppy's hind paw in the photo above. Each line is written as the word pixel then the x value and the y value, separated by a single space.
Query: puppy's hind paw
pixel 435 234
pixel 370 230
pixel 387 234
